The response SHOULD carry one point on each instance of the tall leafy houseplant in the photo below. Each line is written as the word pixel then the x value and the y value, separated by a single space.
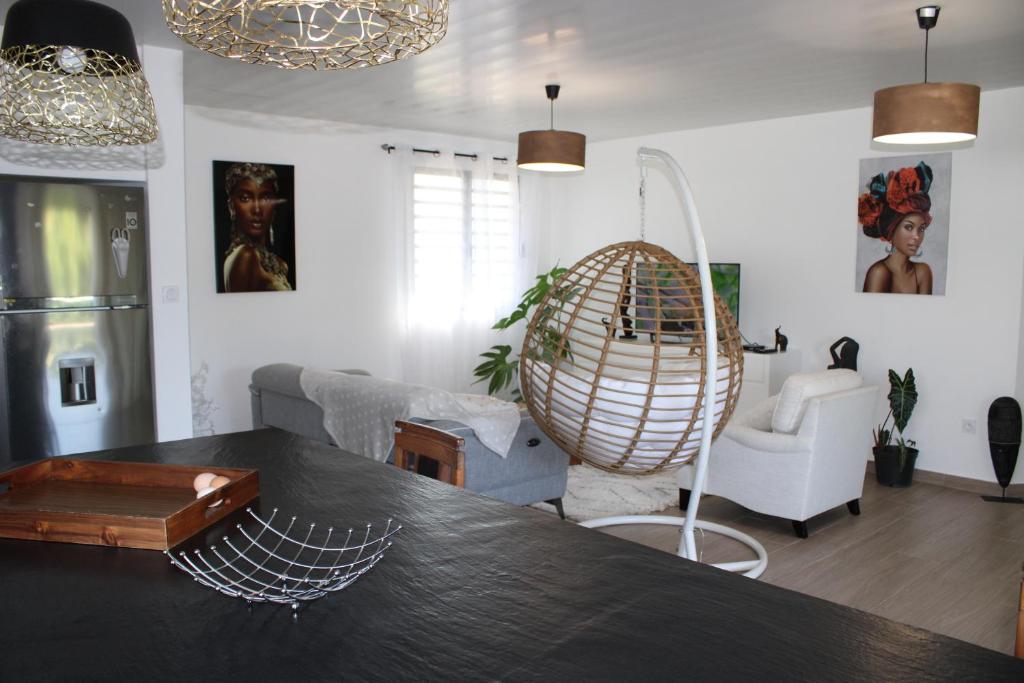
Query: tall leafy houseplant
pixel 499 369
pixel 894 464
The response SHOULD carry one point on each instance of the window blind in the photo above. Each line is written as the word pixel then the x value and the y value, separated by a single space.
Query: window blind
pixel 463 255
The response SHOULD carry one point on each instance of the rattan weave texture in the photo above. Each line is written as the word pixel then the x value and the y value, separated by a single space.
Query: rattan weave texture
pixel 627 405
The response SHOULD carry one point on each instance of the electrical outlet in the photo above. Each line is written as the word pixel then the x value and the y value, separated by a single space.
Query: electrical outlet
pixel 969 425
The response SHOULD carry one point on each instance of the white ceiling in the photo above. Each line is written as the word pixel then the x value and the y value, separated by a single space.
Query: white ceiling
pixel 627 67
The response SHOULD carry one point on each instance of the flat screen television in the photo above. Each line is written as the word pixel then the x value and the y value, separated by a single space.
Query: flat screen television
pixel 725 280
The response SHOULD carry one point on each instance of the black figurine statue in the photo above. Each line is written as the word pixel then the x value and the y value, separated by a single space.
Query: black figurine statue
pixel 781 340
pixel 847 356
pixel 1004 429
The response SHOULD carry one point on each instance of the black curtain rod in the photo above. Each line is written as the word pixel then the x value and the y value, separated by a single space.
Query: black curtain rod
pixel 436 152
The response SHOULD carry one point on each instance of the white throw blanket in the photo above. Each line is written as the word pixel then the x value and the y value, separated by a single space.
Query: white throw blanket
pixel 360 411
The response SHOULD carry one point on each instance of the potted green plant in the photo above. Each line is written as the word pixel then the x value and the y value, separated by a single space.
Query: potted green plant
pixel 499 369
pixel 894 463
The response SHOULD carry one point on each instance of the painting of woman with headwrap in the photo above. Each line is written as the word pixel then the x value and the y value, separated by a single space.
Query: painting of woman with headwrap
pixel 903 214
pixel 254 227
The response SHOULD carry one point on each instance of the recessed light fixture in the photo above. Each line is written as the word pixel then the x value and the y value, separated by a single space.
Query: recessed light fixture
pixel 552 151
pixel 309 34
pixel 70 75
pixel 926 113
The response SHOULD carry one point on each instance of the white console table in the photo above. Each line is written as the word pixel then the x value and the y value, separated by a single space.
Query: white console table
pixel 763 376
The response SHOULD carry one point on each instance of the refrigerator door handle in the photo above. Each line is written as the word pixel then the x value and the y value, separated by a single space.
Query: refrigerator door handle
pixel 19 311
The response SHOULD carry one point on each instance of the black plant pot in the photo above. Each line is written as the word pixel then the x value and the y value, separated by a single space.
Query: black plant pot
pixel 887 466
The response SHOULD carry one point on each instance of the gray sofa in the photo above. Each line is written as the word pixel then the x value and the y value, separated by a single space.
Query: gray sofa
pixel 535 469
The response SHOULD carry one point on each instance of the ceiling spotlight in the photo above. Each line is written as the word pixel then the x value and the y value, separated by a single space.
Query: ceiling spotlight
pixel 552 151
pixel 70 75
pixel 309 34
pixel 926 113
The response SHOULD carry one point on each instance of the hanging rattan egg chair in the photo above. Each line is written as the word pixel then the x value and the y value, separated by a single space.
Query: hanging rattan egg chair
pixel 625 358
pixel 614 361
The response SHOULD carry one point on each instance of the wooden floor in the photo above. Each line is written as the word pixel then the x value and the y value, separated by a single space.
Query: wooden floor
pixel 930 556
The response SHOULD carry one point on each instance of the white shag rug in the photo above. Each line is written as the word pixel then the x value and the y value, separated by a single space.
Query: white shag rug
pixel 593 493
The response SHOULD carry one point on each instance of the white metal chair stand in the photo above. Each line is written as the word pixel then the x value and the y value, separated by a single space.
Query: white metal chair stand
pixel 687 545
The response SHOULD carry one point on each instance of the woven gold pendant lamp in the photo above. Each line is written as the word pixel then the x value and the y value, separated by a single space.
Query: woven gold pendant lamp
pixel 70 75
pixel 309 34
pixel 552 151
pixel 926 113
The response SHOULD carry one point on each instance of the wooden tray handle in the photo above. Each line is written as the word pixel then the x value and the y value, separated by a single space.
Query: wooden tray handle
pixel 220 501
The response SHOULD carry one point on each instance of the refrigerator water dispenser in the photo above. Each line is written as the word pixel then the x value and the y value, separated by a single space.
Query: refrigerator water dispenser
pixel 77 381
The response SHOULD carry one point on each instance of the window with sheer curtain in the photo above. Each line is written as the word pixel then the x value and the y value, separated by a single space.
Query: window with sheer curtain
pixel 464 245
pixel 468 255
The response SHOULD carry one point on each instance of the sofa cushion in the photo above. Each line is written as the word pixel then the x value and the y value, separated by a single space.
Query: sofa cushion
pixel 802 387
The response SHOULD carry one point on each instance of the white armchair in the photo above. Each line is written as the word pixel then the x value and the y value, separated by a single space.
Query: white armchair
pixel 796 454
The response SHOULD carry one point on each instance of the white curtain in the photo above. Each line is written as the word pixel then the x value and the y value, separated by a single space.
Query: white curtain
pixel 467 256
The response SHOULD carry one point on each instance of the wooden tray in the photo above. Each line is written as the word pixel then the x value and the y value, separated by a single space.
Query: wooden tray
pixel 123 504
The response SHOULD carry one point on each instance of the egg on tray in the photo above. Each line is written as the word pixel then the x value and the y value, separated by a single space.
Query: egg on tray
pixel 208 482
pixel 203 480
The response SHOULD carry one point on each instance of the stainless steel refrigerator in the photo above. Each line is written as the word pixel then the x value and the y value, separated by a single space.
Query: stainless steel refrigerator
pixel 74 317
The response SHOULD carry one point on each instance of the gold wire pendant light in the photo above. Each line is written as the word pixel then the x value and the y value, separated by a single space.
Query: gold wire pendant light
pixel 552 151
pixel 926 113
pixel 70 75
pixel 309 34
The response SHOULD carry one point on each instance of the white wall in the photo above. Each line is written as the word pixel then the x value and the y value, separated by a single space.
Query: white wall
pixel 160 166
pixel 168 252
pixel 344 312
pixel 779 197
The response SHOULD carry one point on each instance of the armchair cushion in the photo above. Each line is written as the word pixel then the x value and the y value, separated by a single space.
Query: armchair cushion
pixel 769 442
pixel 759 417
pixel 801 387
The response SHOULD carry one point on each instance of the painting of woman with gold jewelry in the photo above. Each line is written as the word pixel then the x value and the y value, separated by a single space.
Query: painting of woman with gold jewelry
pixel 903 212
pixel 254 226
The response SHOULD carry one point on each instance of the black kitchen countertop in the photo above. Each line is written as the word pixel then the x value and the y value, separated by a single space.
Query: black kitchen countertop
pixel 473 589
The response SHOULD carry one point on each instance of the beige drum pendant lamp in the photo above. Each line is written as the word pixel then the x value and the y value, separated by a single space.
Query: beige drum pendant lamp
pixel 926 113
pixel 552 151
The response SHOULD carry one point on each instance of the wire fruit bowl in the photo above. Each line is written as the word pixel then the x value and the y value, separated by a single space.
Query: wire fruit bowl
pixel 294 566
